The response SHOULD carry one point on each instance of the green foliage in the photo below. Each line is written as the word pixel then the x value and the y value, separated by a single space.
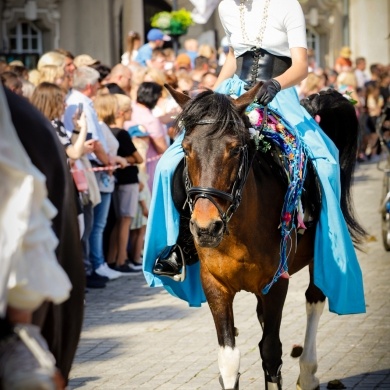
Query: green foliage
pixel 173 23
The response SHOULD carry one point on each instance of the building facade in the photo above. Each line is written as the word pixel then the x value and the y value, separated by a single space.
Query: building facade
pixel 99 27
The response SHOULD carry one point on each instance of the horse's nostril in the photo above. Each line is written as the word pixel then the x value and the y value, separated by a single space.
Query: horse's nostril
pixel 216 228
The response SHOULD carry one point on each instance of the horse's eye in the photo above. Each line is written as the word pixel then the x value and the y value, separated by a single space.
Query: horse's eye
pixel 235 151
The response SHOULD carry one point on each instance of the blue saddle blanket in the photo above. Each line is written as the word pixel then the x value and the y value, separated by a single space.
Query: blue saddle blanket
pixel 337 272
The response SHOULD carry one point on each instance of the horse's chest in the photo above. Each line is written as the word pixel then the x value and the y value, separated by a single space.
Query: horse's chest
pixel 237 270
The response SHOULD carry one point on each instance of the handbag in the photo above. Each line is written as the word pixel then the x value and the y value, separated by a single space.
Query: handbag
pixel 79 176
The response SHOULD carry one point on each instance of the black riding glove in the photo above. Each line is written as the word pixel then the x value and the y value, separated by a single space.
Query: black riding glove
pixel 268 91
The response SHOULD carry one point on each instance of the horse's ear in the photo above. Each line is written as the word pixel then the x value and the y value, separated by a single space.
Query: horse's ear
pixel 180 98
pixel 247 98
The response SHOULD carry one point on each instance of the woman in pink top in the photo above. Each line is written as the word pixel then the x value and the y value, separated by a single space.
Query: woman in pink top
pixel 147 96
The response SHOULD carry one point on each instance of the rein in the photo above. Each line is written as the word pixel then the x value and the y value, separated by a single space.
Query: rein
pixel 235 195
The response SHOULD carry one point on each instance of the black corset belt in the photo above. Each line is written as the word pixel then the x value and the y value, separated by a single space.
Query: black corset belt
pixel 259 65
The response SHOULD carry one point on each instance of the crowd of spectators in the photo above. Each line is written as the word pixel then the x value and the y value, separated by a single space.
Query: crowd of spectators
pixel 115 122
pixel 367 86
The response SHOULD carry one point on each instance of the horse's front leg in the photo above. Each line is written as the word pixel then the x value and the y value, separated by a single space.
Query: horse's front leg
pixel 270 345
pixel 315 302
pixel 220 301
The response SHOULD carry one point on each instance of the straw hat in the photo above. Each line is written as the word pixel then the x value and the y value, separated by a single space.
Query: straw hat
pixel 345 52
pixel 84 60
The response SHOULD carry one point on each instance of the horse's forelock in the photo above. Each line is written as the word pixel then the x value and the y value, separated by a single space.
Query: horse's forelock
pixel 216 107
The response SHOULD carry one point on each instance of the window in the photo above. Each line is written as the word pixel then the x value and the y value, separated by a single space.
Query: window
pixel 25 38
pixel 25 44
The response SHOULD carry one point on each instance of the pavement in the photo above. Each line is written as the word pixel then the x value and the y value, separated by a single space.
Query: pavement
pixel 137 337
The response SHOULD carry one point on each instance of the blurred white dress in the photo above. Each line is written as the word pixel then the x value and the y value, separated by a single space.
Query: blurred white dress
pixel 29 270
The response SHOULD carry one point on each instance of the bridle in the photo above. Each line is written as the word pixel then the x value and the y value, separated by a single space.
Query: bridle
pixel 234 197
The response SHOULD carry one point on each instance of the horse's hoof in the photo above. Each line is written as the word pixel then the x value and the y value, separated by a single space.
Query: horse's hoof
pixel 300 388
pixel 236 385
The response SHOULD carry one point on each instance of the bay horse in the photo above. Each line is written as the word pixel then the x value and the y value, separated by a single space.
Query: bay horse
pixel 236 195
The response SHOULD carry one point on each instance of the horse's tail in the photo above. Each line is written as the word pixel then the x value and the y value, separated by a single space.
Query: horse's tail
pixel 337 117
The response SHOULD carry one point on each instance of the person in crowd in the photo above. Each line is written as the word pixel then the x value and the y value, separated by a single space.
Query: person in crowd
pixel 332 79
pixel 191 47
pixel 384 85
pixel 126 193
pixel 374 106
pixel 49 99
pixel 284 42
pixel 27 88
pixel 202 67
pixel 166 106
pixel 375 73
pixel 69 66
pixel 60 324
pixel 84 60
pixel 133 43
pixel 210 53
pixel 56 75
pixel 222 51
pixel 140 140
pixel 185 82
pixel 52 58
pixel 157 60
pixel 170 57
pixel 346 84
pixel 3 66
pixel 343 62
pixel 33 76
pixel 119 80
pixel 85 87
pixel 183 63
pixel 155 38
pixel 360 74
pixel 147 98
pixel 311 84
pixel 12 81
pixel 20 70
pixel 208 81
pixel 25 210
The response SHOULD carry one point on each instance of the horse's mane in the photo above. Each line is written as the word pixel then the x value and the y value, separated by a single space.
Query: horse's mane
pixel 339 121
pixel 216 107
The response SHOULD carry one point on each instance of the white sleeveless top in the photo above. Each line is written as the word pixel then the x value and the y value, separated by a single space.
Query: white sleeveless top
pixel 285 27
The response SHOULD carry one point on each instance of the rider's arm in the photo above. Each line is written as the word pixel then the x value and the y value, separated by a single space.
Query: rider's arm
pixel 297 71
pixel 228 68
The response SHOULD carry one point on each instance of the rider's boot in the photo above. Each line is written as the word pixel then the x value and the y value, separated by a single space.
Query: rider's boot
pixel 172 260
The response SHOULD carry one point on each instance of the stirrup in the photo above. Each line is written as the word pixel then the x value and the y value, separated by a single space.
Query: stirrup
pixel 180 273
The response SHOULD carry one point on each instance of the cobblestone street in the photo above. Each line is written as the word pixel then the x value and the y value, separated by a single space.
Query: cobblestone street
pixel 136 337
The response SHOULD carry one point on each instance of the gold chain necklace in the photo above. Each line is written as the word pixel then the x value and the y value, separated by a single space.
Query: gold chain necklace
pixel 259 38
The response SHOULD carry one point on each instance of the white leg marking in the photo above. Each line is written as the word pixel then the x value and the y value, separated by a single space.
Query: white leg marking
pixel 229 365
pixel 308 359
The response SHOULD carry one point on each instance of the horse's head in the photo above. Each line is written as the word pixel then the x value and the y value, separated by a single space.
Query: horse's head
pixel 215 145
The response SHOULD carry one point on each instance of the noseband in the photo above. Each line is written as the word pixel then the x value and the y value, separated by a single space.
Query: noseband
pixel 235 195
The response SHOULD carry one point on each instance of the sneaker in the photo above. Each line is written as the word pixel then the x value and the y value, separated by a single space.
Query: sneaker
pixel 94 283
pixel 25 360
pixel 125 269
pixel 95 276
pixel 105 270
pixel 134 266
